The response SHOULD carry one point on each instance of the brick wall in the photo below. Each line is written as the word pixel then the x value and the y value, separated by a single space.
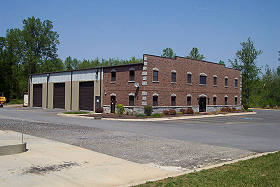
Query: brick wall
pixel 164 88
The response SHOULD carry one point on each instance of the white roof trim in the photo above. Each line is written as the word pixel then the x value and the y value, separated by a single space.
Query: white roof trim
pixel 173 71
pixel 214 96
pixel 173 95
pixel 202 95
pixel 131 94
pixel 236 78
pixel 189 95
pixel 203 74
pixel 226 96
pixel 215 76
pixel 226 77
pixel 155 94
pixel 189 73
pixel 113 94
pixel 155 69
pixel 113 70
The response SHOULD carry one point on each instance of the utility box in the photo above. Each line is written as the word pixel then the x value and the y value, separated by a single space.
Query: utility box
pixel 25 99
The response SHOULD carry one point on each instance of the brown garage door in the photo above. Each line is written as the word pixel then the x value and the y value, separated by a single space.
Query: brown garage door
pixel 86 95
pixel 59 95
pixel 37 95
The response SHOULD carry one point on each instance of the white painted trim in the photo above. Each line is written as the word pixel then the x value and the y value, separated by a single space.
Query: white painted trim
pixel 131 94
pixel 203 74
pixel 155 69
pixel 236 96
pixel 173 95
pixel 235 78
pixel 131 69
pixel 214 96
pixel 226 77
pixel 202 95
pixel 189 95
pixel 226 96
pixel 113 94
pixel 215 76
pixel 155 94
pixel 173 71
pixel 189 73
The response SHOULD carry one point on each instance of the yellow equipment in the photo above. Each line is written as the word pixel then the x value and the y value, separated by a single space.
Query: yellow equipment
pixel 2 101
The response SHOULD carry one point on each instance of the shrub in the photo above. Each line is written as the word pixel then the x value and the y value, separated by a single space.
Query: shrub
pixel 180 113
pixel 120 109
pixel 157 115
pixel 188 111
pixel 226 109
pixel 140 115
pixel 165 112
pixel 148 110
pixel 172 112
pixel 182 110
pixel 99 110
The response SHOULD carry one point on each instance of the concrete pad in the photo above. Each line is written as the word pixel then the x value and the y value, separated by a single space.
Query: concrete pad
pixel 50 163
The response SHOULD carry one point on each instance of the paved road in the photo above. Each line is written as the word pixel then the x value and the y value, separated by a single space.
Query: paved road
pixel 178 143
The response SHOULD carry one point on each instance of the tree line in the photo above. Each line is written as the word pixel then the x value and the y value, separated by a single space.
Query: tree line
pixel 33 49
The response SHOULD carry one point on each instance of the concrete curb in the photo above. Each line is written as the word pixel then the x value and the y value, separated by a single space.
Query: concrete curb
pixel 205 168
pixel 160 119
pixel 12 149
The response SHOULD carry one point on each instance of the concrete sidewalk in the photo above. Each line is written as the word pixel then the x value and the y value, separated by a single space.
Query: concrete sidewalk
pixel 50 163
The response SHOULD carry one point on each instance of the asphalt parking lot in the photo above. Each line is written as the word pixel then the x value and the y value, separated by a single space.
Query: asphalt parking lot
pixel 181 143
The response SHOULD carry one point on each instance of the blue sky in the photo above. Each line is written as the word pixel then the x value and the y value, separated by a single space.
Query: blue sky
pixel 126 28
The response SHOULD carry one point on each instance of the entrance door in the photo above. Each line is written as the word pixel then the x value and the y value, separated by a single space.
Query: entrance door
pixel 59 95
pixel 113 104
pixel 37 95
pixel 202 104
pixel 86 95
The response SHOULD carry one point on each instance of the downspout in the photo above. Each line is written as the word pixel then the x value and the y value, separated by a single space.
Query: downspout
pixel 48 76
pixel 71 91
pixel 100 88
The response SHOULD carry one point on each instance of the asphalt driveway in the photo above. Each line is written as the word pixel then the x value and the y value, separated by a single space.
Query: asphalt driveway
pixel 183 143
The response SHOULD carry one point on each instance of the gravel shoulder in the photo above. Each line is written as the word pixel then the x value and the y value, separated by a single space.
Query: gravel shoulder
pixel 130 146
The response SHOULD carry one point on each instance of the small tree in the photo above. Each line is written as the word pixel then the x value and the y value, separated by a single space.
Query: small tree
pixel 120 109
pixel 168 53
pixel 245 62
pixel 148 110
pixel 194 54
pixel 222 62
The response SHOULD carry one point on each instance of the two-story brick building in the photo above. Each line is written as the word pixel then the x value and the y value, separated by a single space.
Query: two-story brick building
pixel 159 82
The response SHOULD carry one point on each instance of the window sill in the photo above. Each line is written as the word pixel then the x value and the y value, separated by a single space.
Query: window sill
pixel 235 87
pixel 189 84
pixel 131 81
pixel 226 86
pixel 215 86
pixel 202 84
pixel 155 81
pixel 173 82
pixel 112 82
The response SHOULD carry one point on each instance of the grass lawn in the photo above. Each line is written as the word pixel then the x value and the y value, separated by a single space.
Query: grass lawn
pixel 261 171
pixel 76 112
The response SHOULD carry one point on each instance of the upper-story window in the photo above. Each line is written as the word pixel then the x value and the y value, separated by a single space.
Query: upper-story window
pixel 235 82
pixel 131 75
pixel 189 78
pixel 113 75
pixel 215 80
pixel 226 81
pixel 155 75
pixel 173 76
pixel 203 78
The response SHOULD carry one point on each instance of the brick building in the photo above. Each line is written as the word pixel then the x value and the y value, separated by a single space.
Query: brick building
pixel 159 82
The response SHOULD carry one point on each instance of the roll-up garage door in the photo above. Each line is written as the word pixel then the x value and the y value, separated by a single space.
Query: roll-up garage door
pixel 59 95
pixel 86 95
pixel 37 95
